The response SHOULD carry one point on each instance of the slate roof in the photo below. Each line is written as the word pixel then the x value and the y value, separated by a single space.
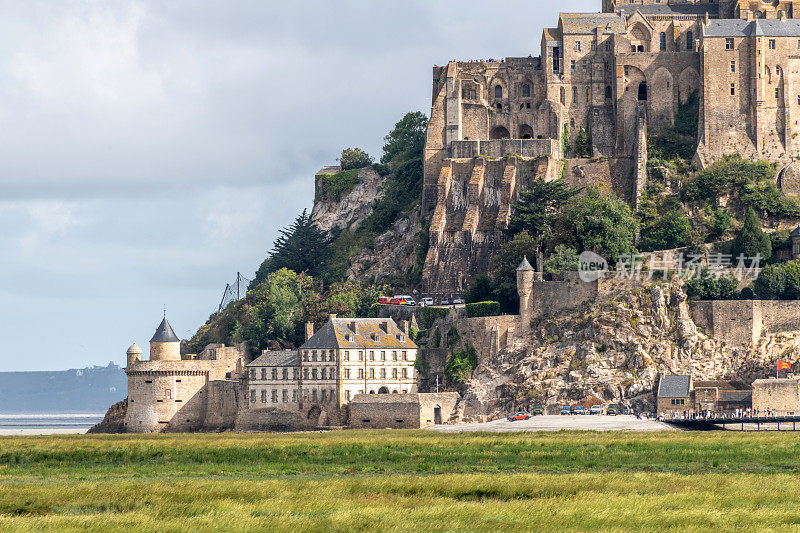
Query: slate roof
pixel 278 358
pixel 582 23
pixel 164 333
pixel 671 9
pixel 751 28
pixel 369 333
pixel 721 385
pixel 525 265
pixel 674 386
pixel 795 232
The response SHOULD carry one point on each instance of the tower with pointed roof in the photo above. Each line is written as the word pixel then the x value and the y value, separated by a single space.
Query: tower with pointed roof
pixel 165 345
pixel 525 278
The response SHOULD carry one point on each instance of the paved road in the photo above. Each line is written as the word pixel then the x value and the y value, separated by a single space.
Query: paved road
pixel 558 423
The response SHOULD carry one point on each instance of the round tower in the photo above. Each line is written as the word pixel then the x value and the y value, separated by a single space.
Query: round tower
pixel 134 354
pixel 525 275
pixel 165 345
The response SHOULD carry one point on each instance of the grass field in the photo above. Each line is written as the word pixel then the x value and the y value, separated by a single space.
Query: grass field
pixel 402 480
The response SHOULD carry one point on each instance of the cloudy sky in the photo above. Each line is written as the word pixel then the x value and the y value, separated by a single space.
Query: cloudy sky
pixel 149 150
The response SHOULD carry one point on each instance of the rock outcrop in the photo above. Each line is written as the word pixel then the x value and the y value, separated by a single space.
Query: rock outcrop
pixel 351 209
pixel 114 421
pixel 613 350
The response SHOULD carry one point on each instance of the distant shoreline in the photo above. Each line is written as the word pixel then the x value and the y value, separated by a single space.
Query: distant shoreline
pixel 47 423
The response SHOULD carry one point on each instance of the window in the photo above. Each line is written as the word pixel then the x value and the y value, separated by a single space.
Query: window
pixel 587 95
pixel 371 355
pixel 394 373
pixel 777 92
pixel 305 373
pixel 772 44
pixel 314 356
pixel 347 395
pixel 563 97
pixel 627 70
pixel 322 374
pixel 314 395
pixel 294 395
pixel 574 94
pixel 305 355
pixel 608 92
pixel 285 396
pixel 572 65
pixel 346 373
pixel 405 373
pixel 314 373
pixel 689 40
pixel 252 373
pixel 729 43
pixel 733 66
pixel 285 374
pixel 663 42
pixel 274 374
pixel 324 395
pixel 383 373
pixel 498 91
pixel 347 355
pixel 253 396
pixel 526 91
pixel 263 374
pixel 577 46
pixel 294 374
pixel 383 355
pixel 360 373
pixel 733 89
pixel 594 47
pixel 332 373
pixel 798 99
pixel 333 395
pixel 498 106
pixel 331 356
pixel 405 355
pixel 274 395
pixel 608 47
pixel 263 396
pixel 371 373
pixel 394 356
pixel 360 355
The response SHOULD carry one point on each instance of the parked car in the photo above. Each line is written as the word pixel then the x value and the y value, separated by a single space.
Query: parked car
pixel 445 301
pixel 627 411
pixel 384 300
pixel 596 410
pixel 458 301
pixel 396 301
pixel 565 410
pixel 425 302
pixel 613 410
pixel 412 302
pixel 537 410
pixel 579 410
pixel 521 415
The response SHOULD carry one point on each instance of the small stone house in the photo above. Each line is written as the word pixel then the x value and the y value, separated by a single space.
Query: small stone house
pixel 674 395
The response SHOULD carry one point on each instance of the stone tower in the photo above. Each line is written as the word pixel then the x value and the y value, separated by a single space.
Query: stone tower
pixel 165 345
pixel 525 276
pixel 134 354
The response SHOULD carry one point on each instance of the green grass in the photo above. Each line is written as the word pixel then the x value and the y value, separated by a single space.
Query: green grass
pixel 402 480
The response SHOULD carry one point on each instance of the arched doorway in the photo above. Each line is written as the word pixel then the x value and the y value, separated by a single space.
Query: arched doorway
pixel 383 390
pixel 499 133
pixel 437 415
pixel 525 132
pixel 643 92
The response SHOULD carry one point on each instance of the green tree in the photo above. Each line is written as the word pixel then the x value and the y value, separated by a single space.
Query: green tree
pixel 671 230
pixel 583 144
pixel 301 247
pixel 770 283
pixel 480 290
pixel 711 287
pixel 562 259
pixel 791 271
pixel 538 208
pixel 751 241
pixel 602 223
pixel 504 272
pixel 460 365
pixel 406 141
pixel 354 158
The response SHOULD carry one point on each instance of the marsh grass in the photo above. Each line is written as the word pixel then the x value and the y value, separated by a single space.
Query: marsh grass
pixel 401 480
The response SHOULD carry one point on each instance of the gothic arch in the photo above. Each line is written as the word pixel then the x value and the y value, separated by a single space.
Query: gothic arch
pixel 640 37
pixel 662 99
pixel 499 132
pixel 525 132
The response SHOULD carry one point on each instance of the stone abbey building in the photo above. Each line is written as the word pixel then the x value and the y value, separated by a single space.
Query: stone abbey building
pixel 614 76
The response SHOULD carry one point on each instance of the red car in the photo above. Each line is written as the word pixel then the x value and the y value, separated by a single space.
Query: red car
pixel 522 415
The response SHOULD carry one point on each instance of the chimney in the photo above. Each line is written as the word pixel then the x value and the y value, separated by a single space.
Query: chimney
pixel 404 326
pixel 353 326
pixel 707 18
pixel 309 330
pixel 385 326
pixel 331 316
pixel 749 15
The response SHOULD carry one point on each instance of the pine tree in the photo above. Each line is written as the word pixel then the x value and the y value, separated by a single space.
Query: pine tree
pixel 538 208
pixel 302 247
pixel 751 241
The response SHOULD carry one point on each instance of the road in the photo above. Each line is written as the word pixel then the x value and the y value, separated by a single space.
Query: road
pixel 559 423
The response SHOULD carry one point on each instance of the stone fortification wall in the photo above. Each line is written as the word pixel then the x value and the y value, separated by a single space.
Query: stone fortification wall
pixel 402 410
pixel 273 420
pixel 166 401
pixel 745 321
pixel 224 401
pixel 488 335
pixel 779 395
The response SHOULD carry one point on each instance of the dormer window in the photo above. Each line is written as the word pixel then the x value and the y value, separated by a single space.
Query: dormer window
pixel 402 337
pixel 351 337
pixel 376 337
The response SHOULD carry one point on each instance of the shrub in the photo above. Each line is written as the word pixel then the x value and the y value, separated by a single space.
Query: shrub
pixel 770 283
pixel 562 259
pixel 354 158
pixel 480 309
pixel 460 365
pixel 709 287
pixel 335 186
pixel 430 314
pixel 671 230
pixel 583 144
pixel 480 290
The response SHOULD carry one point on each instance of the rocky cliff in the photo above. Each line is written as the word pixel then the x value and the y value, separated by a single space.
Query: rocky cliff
pixel 332 212
pixel 613 350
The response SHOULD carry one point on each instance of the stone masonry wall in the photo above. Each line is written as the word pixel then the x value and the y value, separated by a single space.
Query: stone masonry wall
pixel 780 395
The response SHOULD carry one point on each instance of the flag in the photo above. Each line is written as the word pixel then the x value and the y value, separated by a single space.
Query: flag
pixel 783 365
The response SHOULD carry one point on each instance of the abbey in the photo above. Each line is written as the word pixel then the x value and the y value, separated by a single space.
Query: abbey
pixel 605 80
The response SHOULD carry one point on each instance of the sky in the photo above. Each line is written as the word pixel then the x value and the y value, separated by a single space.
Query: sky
pixel 149 150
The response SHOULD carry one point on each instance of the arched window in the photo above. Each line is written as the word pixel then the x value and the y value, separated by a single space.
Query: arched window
pixel 608 92
pixel 526 91
pixel 663 43
pixel 574 94
pixel 642 92
pixel 499 106
pixel 498 91
pixel 689 40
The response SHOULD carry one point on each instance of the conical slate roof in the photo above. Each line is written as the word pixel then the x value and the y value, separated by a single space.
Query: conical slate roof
pixel 164 333
pixel 525 265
